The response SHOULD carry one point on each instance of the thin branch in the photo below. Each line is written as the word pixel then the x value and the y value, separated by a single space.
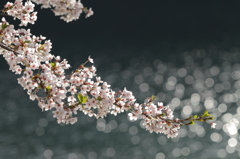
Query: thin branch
pixel 8 49
pixel 4 14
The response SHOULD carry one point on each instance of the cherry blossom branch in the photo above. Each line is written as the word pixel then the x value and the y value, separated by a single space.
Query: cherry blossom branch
pixel 68 10
pixel 82 90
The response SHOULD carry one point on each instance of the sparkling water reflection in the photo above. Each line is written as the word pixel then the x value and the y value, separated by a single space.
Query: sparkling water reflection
pixel 197 83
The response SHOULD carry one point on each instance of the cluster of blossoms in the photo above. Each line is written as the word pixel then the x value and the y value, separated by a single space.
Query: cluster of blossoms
pixel 43 76
pixel 22 12
pixel 69 10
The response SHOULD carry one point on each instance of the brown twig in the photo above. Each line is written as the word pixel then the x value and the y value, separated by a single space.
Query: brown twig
pixel 8 49
pixel 4 14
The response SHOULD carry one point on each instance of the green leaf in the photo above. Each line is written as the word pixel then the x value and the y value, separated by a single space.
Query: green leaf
pixel 210 118
pixel 163 114
pixel 191 123
pixel 82 99
pixel 41 47
pixel 4 25
pixel 195 116
pixel 99 98
pixel 205 114
pixel 27 41
pixel 153 97
pixel 53 64
pixel 48 88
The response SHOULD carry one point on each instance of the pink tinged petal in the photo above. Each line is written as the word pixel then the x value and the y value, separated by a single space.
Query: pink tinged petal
pixel 213 125
pixel 90 59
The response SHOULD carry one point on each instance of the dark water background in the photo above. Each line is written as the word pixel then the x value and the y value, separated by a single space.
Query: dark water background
pixel 184 52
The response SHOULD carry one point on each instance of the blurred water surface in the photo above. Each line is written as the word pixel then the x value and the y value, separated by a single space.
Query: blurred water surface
pixel 189 83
